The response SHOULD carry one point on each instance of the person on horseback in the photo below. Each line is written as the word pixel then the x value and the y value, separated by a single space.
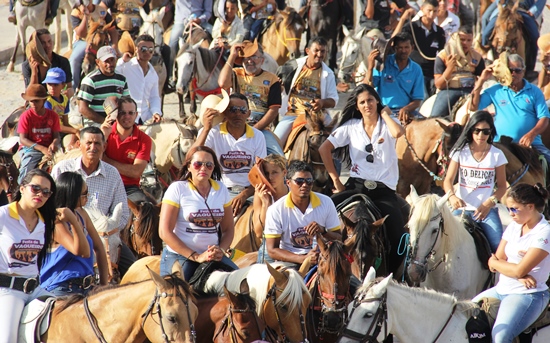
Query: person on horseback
pixel 531 10
pixel 255 14
pixel 261 87
pixel 228 29
pixel 33 72
pixel 308 83
pixel 27 227
pixel 365 139
pixel 99 85
pixel 38 130
pixel 196 218
pixel 444 18
pixel 128 148
pixel 69 264
pixel 142 79
pixel 237 144
pixel 456 69
pixel 523 263
pixel 81 17
pixel 428 39
pixel 521 111
pixel 377 15
pixel 400 82
pixel 294 220
pixel 482 176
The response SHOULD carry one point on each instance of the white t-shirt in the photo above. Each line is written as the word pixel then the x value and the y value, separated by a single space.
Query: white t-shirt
pixel 195 224
pixel 236 156
pixel 384 167
pixel 286 221
pixel 477 179
pixel 19 248
pixel 516 247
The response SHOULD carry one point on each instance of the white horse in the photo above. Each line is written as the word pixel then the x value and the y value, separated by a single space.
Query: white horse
pixel 355 52
pixel 281 295
pixel 412 315
pixel 27 16
pixel 443 252
pixel 152 25
pixel 65 6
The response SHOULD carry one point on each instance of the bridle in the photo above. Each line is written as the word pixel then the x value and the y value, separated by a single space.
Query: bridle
pixel 89 48
pixel 154 308
pixel 431 252
pixel 284 39
pixel 229 323
pixel 274 337
pixel 12 184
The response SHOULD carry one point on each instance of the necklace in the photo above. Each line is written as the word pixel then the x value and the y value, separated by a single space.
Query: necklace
pixel 483 153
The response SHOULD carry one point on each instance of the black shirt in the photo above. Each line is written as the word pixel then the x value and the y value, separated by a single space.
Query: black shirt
pixel 429 44
pixel 382 13
pixel 57 61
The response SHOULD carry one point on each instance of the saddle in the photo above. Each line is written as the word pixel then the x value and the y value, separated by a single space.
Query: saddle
pixel 128 17
pixel 30 3
pixel 35 320
pixel 483 248
pixel 297 127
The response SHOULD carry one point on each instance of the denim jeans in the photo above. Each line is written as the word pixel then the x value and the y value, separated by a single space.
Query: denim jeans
pixel 77 56
pixel 543 150
pixel 446 97
pixel 516 312
pixel 491 226
pixel 263 256
pixel 67 288
pixel 177 32
pixel 252 27
pixel 29 160
pixel 284 128
pixel 272 144
pixel 168 259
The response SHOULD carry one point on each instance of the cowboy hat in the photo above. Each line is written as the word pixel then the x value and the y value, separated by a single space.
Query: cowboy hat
pixel 126 44
pixel 217 103
pixel 249 48
pixel 110 105
pixel 36 50
pixel 35 92
pixel 544 42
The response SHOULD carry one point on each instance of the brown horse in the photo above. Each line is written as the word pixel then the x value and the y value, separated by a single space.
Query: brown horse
pixel 330 292
pixel 158 310
pixel 230 318
pixel 141 234
pixel 282 38
pixel 308 134
pixel 244 237
pixel 97 37
pixel 8 177
pixel 509 33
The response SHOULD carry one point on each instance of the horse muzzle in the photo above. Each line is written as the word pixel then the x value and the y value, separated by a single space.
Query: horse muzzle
pixel 334 320
pixel 417 271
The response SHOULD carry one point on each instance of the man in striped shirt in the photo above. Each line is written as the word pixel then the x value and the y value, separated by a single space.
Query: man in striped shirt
pixel 99 85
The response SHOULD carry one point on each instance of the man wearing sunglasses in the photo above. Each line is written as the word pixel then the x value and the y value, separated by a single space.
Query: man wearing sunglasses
pixel 292 222
pixel 236 144
pixel 261 87
pixel 128 148
pixel 520 109
pixel 142 79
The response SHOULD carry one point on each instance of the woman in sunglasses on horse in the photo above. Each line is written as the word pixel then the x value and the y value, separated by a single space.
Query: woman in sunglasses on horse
pixel 365 140
pixel 196 217
pixel 480 166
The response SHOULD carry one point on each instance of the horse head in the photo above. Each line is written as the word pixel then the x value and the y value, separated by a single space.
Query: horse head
pixel 152 25
pixel 332 285
pixel 96 38
pixel 8 173
pixel 185 66
pixel 286 303
pixel 427 233
pixel 171 315
pixel 142 230
pixel 291 25
pixel 508 29
pixel 352 53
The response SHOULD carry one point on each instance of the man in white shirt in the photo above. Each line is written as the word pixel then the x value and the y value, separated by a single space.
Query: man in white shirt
pixel 293 221
pixel 142 79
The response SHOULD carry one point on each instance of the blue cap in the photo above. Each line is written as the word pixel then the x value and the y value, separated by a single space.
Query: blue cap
pixel 55 76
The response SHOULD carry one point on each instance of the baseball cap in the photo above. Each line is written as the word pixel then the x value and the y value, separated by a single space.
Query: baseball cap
pixel 106 52
pixel 55 76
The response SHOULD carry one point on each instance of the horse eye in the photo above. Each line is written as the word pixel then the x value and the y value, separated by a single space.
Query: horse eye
pixel 171 319
pixel 284 307
pixel 368 315
pixel 434 231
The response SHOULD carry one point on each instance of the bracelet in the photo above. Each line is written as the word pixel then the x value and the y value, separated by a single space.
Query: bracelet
pixel 192 254
pixel 493 199
pixel 32 146
pixel 230 66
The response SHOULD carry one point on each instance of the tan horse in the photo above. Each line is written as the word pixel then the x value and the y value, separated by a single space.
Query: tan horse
pixel 157 310
pixel 244 237
pixel 282 39
pixel 509 32
pixel 97 37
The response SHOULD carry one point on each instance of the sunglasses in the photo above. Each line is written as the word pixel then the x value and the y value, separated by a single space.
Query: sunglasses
pixel 512 209
pixel 486 132
pixel 85 194
pixel 516 70
pixel 301 180
pixel 242 109
pixel 198 165
pixel 131 113
pixel 146 49
pixel 35 189
pixel 370 156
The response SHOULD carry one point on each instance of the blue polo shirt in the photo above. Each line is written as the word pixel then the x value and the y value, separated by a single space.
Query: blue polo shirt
pixel 398 88
pixel 516 113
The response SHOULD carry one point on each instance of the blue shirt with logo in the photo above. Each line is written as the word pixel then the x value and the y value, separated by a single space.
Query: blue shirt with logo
pixel 515 113
pixel 399 88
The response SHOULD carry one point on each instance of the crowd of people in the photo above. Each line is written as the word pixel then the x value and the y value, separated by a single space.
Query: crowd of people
pixel 49 243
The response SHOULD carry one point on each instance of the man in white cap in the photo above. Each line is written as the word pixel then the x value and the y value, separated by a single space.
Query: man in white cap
pixel 98 85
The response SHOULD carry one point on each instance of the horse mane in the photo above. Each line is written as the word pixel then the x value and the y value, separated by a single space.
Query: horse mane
pixel 291 17
pixel 246 300
pixel 208 58
pixel 337 262
pixel 526 155
pixel 147 222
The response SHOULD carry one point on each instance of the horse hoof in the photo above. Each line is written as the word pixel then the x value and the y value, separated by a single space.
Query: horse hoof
pixel 10 67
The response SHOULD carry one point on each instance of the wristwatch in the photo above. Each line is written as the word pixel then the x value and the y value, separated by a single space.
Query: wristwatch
pixel 494 200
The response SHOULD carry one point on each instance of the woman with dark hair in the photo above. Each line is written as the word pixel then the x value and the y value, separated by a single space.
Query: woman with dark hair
pixel 69 264
pixel 196 217
pixel 523 263
pixel 26 231
pixel 481 168
pixel 365 140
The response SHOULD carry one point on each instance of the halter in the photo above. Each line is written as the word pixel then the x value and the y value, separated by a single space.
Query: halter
pixel 431 252
pixel 228 322
pixel 434 176
pixel 272 295
pixel 284 38
pixel 89 49
pixel 11 184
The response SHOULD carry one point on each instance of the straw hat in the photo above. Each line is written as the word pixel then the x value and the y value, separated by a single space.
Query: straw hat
pixel 544 42
pixel 126 44
pixel 36 50
pixel 110 105
pixel 35 92
pixel 501 72
pixel 217 103
pixel 248 50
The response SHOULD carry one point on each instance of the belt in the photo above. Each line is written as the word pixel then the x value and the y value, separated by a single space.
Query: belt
pixel 23 284
pixel 369 185
pixel 236 189
pixel 82 282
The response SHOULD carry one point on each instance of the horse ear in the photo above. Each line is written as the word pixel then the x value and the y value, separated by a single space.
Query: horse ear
pixel 158 280
pixel 414 195
pixel 321 242
pixel 334 120
pixel 161 14
pixel 243 287
pixel 371 275
pixel 143 14
pixel 279 277
pixel 345 30
pixel 230 295
pixel 198 44
pixel 515 7
pixel 377 224
pixel 304 268
pixel 443 201
pixel 133 207
pixel 380 288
